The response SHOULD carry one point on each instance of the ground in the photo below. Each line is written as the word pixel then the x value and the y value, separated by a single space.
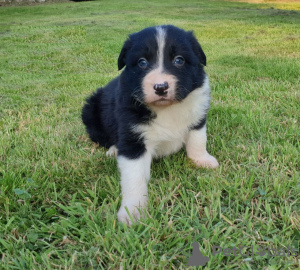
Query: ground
pixel 59 193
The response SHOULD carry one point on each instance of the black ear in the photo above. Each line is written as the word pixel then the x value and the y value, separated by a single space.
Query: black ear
pixel 197 49
pixel 123 53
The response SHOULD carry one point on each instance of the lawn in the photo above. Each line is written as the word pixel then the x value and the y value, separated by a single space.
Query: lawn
pixel 59 193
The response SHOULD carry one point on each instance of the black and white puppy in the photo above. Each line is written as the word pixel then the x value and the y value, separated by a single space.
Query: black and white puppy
pixel 157 105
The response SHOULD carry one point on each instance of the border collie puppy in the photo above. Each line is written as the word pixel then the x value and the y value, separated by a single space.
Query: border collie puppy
pixel 155 107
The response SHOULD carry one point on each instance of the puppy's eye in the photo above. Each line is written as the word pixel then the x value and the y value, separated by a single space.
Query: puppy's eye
pixel 179 61
pixel 143 63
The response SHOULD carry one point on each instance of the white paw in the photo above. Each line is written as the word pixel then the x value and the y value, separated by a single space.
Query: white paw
pixel 206 161
pixel 112 151
pixel 134 212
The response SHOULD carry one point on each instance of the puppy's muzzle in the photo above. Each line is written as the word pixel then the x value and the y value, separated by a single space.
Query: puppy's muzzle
pixel 161 88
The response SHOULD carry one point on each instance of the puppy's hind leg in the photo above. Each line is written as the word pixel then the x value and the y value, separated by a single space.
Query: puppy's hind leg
pixel 91 117
pixel 196 149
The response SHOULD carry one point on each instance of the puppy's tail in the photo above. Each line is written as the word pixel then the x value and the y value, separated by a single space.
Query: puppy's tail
pixel 91 117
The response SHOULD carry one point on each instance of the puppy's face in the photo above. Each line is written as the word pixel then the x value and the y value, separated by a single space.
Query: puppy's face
pixel 163 65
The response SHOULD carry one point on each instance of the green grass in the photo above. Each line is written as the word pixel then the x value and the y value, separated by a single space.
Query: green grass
pixel 59 194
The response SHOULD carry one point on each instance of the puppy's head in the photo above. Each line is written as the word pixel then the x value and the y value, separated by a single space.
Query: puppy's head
pixel 163 65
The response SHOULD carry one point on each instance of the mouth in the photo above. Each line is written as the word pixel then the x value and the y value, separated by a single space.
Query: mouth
pixel 163 102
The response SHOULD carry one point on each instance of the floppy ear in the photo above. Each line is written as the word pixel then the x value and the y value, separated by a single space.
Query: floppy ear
pixel 122 56
pixel 197 49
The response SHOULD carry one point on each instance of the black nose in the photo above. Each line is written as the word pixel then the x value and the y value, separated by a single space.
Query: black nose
pixel 160 88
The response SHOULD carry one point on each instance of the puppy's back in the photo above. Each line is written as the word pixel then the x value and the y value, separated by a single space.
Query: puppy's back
pixel 98 115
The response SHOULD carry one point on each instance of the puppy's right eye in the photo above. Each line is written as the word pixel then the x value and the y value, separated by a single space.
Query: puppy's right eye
pixel 179 61
pixel 143 63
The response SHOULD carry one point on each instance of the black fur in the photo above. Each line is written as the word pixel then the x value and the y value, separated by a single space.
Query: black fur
pixel 112 112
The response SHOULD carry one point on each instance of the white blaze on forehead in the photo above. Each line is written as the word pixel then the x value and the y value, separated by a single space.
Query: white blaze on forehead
pixel 161 40
pixel 158 76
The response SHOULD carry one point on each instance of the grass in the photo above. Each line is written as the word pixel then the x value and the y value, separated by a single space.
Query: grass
pixel 59 194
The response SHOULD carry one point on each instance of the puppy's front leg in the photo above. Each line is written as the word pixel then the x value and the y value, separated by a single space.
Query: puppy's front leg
pixel 135 173
pixel 196 148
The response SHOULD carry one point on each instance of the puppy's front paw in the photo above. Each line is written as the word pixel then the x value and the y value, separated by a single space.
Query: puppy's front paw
pixel 206 161
pixel 135 212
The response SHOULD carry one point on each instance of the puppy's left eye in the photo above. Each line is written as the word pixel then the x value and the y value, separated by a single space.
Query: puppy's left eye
pixel 143 63
pixel 179 61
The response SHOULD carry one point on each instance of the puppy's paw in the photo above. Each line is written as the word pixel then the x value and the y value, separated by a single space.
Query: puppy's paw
pixel 131 212
pixel 206 161
pixel 112 151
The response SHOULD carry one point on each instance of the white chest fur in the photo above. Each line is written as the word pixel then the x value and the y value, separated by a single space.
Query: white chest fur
pixel 167 133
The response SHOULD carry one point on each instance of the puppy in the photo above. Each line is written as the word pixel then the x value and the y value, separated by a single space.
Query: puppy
pixel 156 106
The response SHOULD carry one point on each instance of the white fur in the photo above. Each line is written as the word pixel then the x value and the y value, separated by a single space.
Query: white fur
pixel 168 131
pixel 196 149
pixel 135 173
pixel 112 151
pixel 161 40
